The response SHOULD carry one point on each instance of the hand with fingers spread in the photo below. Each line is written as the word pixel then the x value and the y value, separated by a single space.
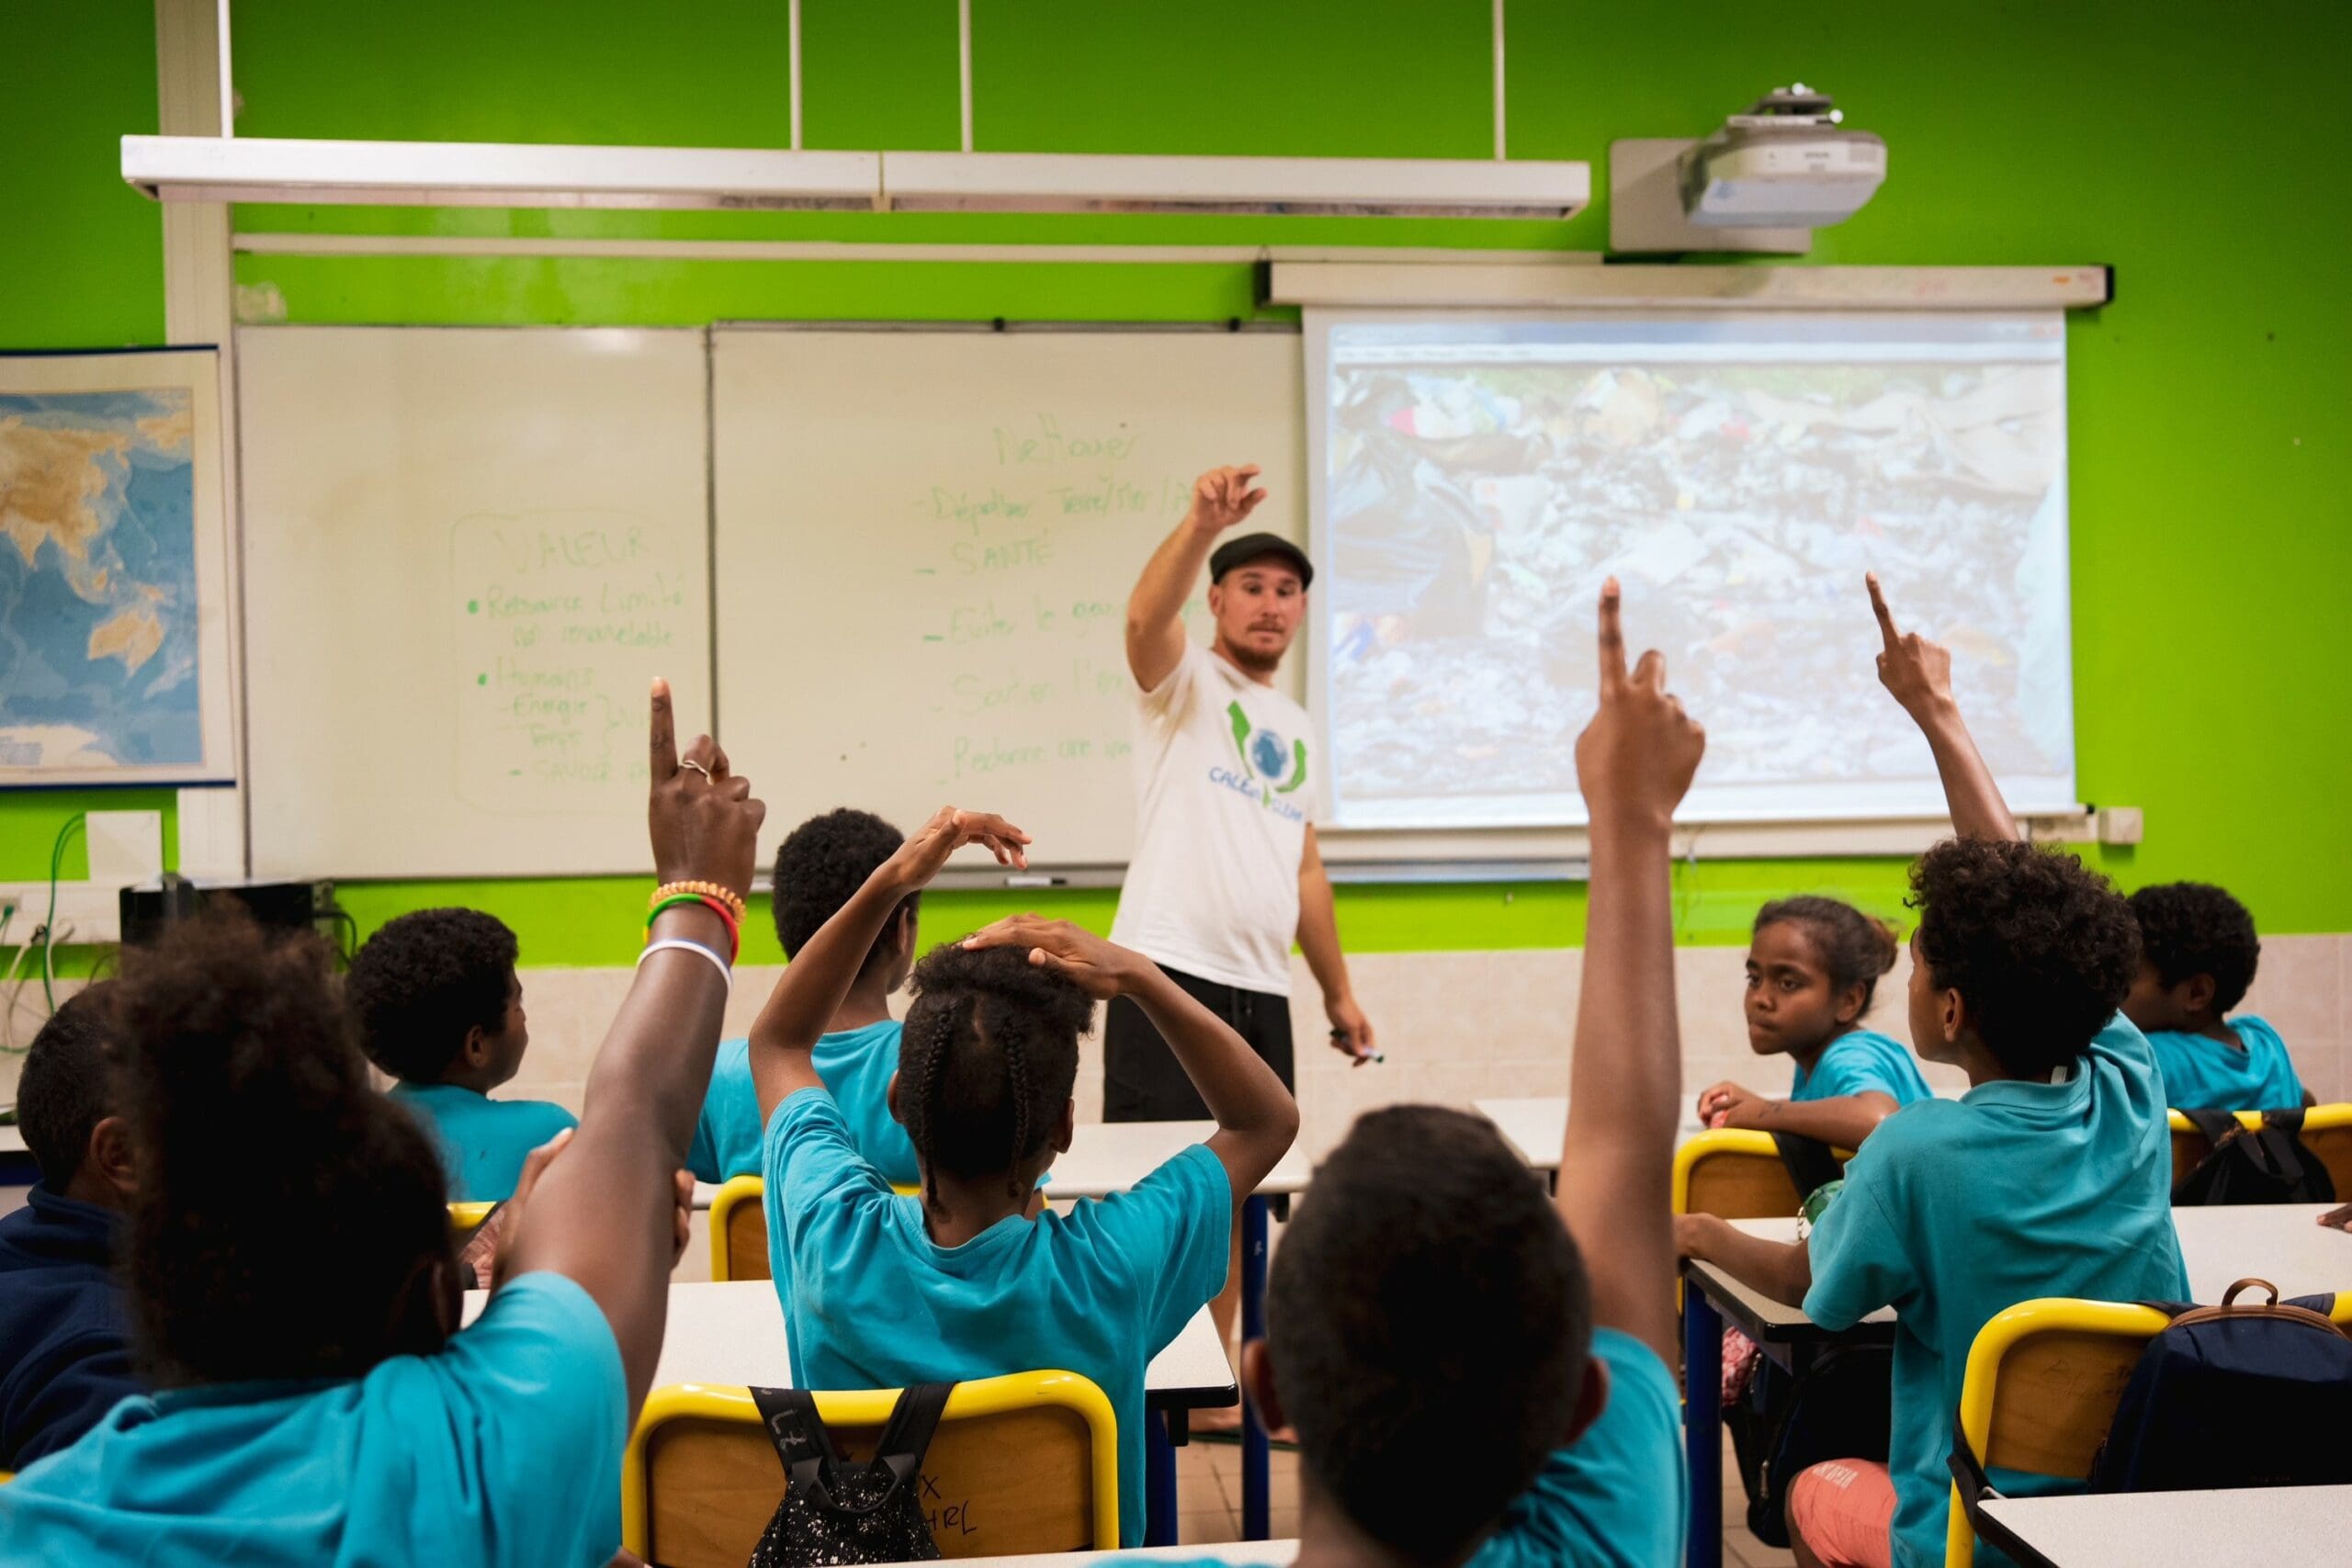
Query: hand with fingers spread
pixel 704 824
pixel 1222 498
pixel 1635 758
pixel 927 848
pixel 1101 969
pixel 1915 671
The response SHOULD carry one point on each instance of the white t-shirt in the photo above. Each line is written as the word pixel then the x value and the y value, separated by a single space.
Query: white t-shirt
pixel 1226 783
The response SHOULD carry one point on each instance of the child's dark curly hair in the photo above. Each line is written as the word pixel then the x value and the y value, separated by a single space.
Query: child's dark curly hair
pixel 986 1061
pixel 2040 947
pixel 821 864
pixel 422 981
pixel 1852 948
pixel 2194 928
pixel 288 1218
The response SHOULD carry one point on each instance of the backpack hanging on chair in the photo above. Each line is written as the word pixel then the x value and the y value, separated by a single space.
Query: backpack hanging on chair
pixel 834 1512
pixel 2263 1165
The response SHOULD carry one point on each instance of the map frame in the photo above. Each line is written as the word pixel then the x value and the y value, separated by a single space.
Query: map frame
pixel 194 369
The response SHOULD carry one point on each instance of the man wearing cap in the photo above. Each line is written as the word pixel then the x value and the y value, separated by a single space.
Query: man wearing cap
pixel 1226 871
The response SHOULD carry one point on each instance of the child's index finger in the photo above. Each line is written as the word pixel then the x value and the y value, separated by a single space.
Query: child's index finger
pixel 1878 607
pixel 665 753
pixel 1612 636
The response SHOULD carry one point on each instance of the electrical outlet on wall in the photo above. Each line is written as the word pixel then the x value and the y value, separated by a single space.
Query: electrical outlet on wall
pixel 2120 825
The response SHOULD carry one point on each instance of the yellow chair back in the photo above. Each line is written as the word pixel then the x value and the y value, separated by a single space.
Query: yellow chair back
pixel 2042 1382
pixel 1734 1173
pixel 2327 1132
pixel 739 1230
pixel 1024 1463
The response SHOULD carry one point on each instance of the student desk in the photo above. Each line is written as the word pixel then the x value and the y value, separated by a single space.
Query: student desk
pixel 732 1333
pixel 2281 1242
pixel 2179 1529
pixel 1110 1156
pixel 1240 1553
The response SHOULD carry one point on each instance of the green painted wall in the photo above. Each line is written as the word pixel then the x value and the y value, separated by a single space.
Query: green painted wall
pixel 2184 143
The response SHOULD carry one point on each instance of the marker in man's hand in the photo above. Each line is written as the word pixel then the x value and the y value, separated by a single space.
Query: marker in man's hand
pixel 1339 1036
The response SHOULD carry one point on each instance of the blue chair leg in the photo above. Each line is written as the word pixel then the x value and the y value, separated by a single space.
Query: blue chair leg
pixel 1255 1482
pixel 1702 1425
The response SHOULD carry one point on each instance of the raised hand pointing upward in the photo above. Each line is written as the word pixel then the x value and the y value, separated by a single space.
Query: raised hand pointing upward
pixel 1916 671
pixel 1918 674
pixel 1223 497
pixel 1635 758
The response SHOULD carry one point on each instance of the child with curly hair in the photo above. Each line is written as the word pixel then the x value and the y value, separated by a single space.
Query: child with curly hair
pixel 2051 1177
pixel 2198 951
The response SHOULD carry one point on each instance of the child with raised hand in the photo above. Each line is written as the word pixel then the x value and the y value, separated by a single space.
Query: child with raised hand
pixel 2198 951
pixel 1813 971
pixel 1478 1373
pixel 819 864
pixel 438 1007
pixel 972 1277
pixel 294 1293
pixel 2051 1177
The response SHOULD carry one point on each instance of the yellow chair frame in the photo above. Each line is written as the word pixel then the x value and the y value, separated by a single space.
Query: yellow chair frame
pixel 2080 1353
pixel 2327 1132
pixel 1735 1173
pixel 866 1411
pixel 746 1194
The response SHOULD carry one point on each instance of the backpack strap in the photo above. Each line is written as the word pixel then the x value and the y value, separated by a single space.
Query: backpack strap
pixel 1808 1161
pixel 2218 1126
pixel 906 1436
pixel 802 1445
pixel 1975 1490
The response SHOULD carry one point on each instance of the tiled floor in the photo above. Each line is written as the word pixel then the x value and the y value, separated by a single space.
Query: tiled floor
pixel 1209 1502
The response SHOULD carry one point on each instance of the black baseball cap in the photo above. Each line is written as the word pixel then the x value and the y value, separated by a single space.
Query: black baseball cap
pixel 1257 546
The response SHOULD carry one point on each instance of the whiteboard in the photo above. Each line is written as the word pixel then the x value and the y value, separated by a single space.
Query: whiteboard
pixel 925 542
pixel 467 552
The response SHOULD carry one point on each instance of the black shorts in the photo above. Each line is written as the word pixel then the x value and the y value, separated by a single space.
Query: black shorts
pixel 1142 1080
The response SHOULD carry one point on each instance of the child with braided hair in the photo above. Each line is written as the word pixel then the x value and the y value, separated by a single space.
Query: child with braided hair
pixel 973 1277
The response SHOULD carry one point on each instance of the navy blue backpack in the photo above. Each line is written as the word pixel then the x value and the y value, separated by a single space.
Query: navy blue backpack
pixel 2230 1396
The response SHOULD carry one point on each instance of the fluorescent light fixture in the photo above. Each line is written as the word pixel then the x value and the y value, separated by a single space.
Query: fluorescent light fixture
pixel 1347 187
pixel 463 174
pixel 470 174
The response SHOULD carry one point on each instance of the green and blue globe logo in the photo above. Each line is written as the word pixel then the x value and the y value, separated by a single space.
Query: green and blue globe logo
pixel 1271 764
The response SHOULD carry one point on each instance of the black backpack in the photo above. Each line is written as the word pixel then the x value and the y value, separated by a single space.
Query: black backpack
pixel 1838 1407
pixel 833 1512
pixel 2231 1396
pixel 2269 1165
pixel 2228 1396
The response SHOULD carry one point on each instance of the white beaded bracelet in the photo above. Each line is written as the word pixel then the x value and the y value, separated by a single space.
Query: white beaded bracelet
pixel 724 973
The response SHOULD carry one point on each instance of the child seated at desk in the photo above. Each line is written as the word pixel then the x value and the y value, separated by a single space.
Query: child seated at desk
pixel 437 1005
pixel 1813 971
pixel 819 867
pixel 2198 951
pixel 1478 1374
pixel 972 1277
pixel 294 1291
pixel 2051 1177
pixel 64 1337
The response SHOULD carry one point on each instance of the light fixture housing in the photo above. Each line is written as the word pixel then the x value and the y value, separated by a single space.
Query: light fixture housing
pixel 488 174
pixel 457 174
pixel 1328 187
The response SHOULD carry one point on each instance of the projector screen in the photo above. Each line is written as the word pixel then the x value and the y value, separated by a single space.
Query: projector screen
pixel 1478 474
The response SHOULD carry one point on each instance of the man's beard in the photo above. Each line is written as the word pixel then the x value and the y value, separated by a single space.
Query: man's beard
pixel 1252 661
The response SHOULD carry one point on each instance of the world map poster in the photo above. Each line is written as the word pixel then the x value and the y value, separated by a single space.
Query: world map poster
pixel 114 645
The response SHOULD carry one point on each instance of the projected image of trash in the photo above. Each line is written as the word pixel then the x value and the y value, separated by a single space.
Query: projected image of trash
pixel 1738 477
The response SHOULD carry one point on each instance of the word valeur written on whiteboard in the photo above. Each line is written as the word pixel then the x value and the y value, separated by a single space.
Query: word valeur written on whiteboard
pixel 559 618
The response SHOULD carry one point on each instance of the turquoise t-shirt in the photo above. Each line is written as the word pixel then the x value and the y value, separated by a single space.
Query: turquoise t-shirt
pixel 1618 1497
pixel 1959 1209
pixel 482 1141
pixel 2202 1074
pixel 1863 1061
pixel 856 1065
pixel 871 1302
pixel 504 1447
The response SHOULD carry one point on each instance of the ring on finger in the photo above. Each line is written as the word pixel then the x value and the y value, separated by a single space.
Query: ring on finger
pixel 690 762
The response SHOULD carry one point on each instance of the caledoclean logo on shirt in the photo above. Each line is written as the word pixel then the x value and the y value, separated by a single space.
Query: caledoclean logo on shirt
pixel 1272 766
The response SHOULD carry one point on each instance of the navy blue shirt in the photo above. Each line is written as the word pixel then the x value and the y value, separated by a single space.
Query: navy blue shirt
pixel 65 1341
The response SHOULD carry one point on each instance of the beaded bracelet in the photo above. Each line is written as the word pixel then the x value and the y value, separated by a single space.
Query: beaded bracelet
pixel 734 930
pixel 726 896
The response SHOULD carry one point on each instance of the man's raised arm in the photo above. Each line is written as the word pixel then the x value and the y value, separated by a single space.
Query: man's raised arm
pixel 1221 498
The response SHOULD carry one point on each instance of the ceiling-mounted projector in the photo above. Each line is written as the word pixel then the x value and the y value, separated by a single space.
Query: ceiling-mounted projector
pixel 1786 162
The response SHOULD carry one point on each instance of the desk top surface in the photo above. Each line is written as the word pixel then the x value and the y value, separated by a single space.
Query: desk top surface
pixel 2181 1529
